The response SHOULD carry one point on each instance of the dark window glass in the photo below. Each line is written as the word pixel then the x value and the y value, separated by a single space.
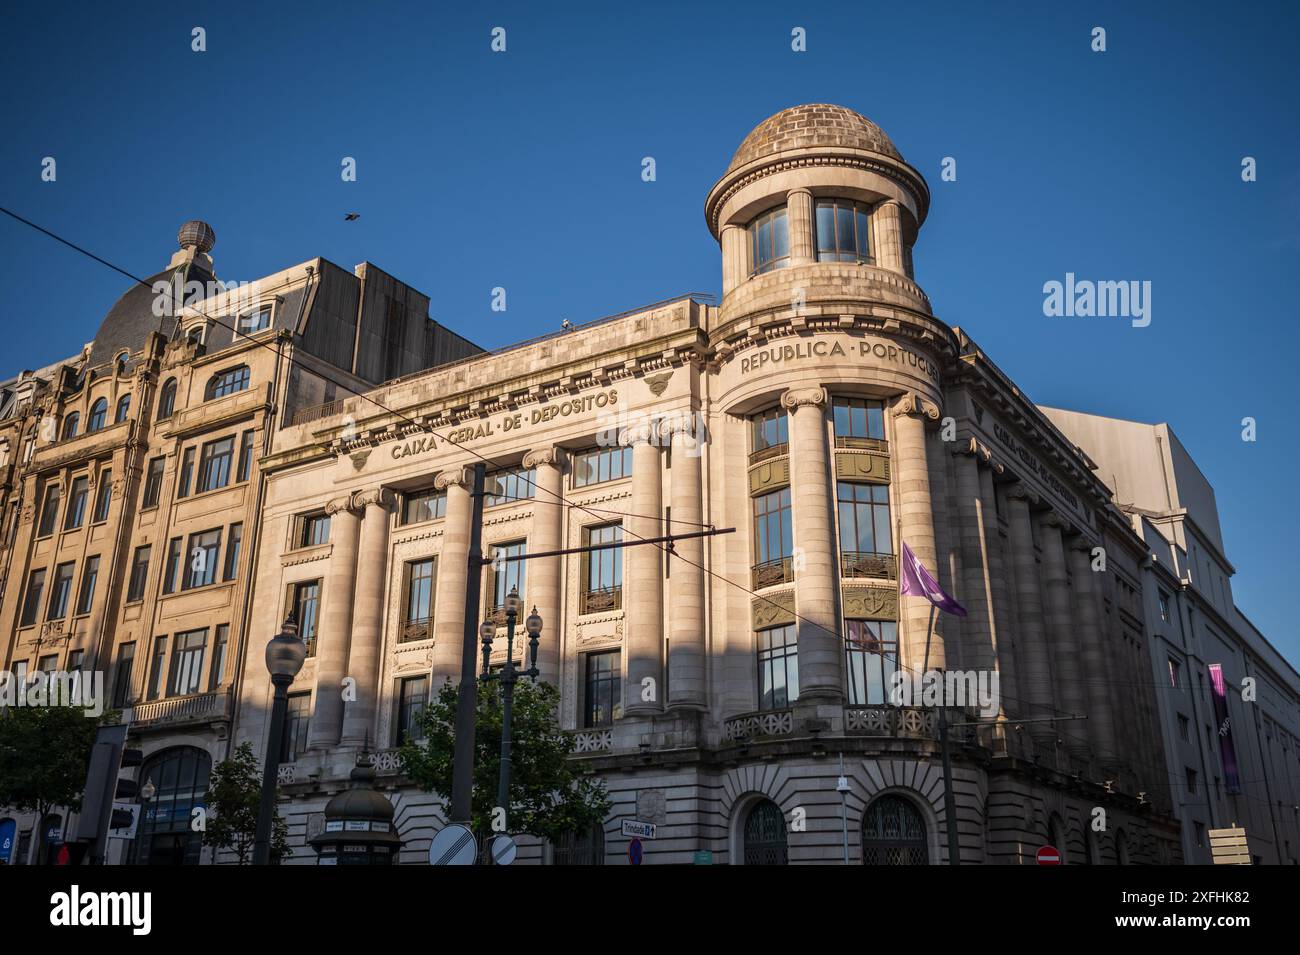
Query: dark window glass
pixel 771 429
pixel 600 465
pixel 220 647
pixel 98 415
pixel 167 400
pixel 76 512
pixel 227 383
pixel 412 697
pixel 419 600
pixel 214 464
pixel 139 572
pixel 603 699
pixel 159 667
pixel 70 425
pixel 255 321
pixel 604 590
pixel 865 527
pixel 165 835
pixel 187 472
pixel 507 574
pixel 32 601
pixel 304 598
pixel 203 553
pixel 765 835
pixel 893 833
pixel 89 578
pixel 424 505
pixel 232 550
pixel 245 455
pixel 859 418
pixel 48 663
pixel 871 647
pixel 123 409
pixel 503 487
pixel 313 529
pixel 297 726
pixel 60 591
pixel 187 661
pixel 773 534
pixel 171 571
pixel 843 231
pixel 49 511
pixel 122 675
pixel 103 497
pixel 769 241
pixel 778 668
pixel 153 482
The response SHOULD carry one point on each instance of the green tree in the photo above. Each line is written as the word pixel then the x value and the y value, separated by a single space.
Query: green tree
pixel 233 798
pixel 549 796
pixel 44 756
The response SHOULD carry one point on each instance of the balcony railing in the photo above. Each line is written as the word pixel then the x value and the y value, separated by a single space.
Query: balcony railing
pixel 766 454
pixel 756 725
pixel 858 563
pixel 316 412
pixel 769 573
pixel 867 444
pixel 414 630
pixel 601 601
pixel 197 706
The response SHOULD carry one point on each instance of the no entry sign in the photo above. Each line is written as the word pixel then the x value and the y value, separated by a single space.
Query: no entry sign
pixel 1048 855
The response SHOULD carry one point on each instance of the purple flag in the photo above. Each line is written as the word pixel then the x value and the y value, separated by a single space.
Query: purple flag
pixel 919 582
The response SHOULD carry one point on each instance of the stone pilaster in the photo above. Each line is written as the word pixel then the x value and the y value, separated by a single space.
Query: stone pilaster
pixel 543 591
pixel 1097 686
pixel 916 524
pixel 799 216
pixel 453 572
pixel 686 681
pixel 368 616
pixel 1060 625
pixel 978 629
pixel 1036 678
pixel 887 228
pixel 643 693
pixel 335 625
pixel 1001 616
pixel 816 576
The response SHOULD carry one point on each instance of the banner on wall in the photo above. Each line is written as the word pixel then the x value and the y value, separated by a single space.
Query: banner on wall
pixel 8 835
pixel 1231 781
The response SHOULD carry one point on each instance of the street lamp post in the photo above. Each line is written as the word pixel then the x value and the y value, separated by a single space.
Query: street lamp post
pixel 509 676
pixel 285 654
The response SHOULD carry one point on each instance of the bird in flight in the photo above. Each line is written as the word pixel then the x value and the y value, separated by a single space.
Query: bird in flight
pixel 351 216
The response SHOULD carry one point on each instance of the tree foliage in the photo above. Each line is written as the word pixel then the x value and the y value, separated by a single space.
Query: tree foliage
pixel 549 795
pixel 233 798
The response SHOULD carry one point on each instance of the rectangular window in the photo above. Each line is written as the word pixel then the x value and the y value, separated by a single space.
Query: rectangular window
pixel 187 472
pixel 600 465
pixel 76 512
pixel 1191 782
pixel 769 241
pixel 412 698
pixel 507 574
pixel 843 231
pixel 139 573
pixel 778 668
pixel 858 421
pixel 122 675
pixel 871 648
pixel 153 482
pixel 76 661
pixel 232 550
pixel 419 600
pixel 297 726
pixel 49 510
pixel 424 505
pixel 20 673
pixel 255 321
pixel 773 539
pixel 604 589
pixel 866 534
pixel 1173 672
pixel 1184 728
pixel 187 661
pixel 245 455
pixel 304 601
pixel 603 689
pixel 172 571
pixel 159 667
pixel 60 591
pixel 89 577
pixel 313 529
pixel 503 487
pixel 48 663
pixel 769 431
pixel 214 464
pixel 220 646
pixel 204 551
pixel 1163 599
pixel 32 601
pixel 103 497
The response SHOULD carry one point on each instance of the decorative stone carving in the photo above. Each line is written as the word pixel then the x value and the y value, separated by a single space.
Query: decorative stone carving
pixel 359 458
pixel 774 610
pixel 550 455
pixel 870 603
pixel 652 806
pixel 658 384
pixel 769 476
pixel 381 496
pixel 910 403
pixel 462 476
pixel 636 434
pixel 862 466
pixel 1020 492
pixel 797 397
pixel 338 504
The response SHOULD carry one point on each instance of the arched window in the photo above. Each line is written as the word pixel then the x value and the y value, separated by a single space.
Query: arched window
pixel 195 335
pixel 893 833
pixel 585 847
pixel 167 400
pixel 165 835
pixel 98 414
pixel 70 425
pixel 764 835
pixel 123 358
pixel 227 383
pixel 123 406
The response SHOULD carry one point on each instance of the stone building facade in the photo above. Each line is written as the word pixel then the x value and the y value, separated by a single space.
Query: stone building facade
pixel 826 414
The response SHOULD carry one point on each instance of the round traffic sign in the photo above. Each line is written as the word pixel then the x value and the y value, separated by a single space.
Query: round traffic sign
pixel 453 845
pixel 503 850
pixel 634 852
pixel 1048 855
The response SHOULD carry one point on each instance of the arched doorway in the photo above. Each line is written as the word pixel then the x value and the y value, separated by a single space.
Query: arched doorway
pixel 764 835
pixel 893 833
pixel 582 847
pixel 165 836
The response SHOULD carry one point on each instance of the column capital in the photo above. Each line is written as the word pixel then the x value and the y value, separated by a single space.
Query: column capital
pixel 372 497
pixel 981 452
pixel 552 455
pixel 798 191
pixel 685 423
pixel 460 476
pixel 798 397
pixel 338 504
pixel 1051 518
pixel 1019 492
pixel 1079 544
pixel 911 403
pixel 636 434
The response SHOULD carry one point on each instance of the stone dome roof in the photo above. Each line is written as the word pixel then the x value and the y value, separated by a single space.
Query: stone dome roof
pixel 814 124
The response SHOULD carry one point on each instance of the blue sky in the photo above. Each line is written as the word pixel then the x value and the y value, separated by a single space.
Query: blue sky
pixel 522 170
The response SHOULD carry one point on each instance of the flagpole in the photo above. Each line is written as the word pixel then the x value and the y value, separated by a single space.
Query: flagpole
pixel 949 803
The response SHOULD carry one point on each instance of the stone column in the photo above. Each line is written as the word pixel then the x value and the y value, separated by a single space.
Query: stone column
pixel 799 218
pixel 911 481
pixel 686 682
pixel 816 576
pixel 1065 645
pixel 335 625
pixel 1098 688
pixel 542 589
pixel 887 228
pixel 368 617
pixel 453 571
pixel 643 616
pixel 735 266
pixel 1036 678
